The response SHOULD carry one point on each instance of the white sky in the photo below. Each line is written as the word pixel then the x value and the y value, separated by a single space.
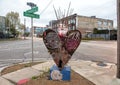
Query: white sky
pixel 99 8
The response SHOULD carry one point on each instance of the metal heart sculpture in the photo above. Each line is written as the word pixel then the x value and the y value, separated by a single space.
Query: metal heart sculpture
pixel 61 47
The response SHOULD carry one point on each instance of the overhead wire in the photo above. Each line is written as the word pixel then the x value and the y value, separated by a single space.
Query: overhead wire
pixel 46 7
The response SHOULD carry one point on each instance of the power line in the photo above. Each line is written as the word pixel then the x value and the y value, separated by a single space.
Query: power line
pixel 46 7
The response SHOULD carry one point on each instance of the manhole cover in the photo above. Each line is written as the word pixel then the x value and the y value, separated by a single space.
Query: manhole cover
pixel 101 64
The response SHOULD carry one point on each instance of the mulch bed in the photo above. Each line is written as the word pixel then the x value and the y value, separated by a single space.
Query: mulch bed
pixel 76 79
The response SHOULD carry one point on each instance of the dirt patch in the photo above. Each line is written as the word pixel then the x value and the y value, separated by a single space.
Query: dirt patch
pixel 76 79
pixel 17 67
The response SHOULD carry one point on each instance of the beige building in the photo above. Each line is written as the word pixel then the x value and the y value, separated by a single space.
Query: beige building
pixel 87 24
pixel 83 23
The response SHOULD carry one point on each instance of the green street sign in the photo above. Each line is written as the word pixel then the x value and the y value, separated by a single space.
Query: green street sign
pixel 31 11
pixel 31 15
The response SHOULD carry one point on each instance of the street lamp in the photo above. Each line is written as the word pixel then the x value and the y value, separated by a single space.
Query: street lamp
pixel 32 5
pixel 109 33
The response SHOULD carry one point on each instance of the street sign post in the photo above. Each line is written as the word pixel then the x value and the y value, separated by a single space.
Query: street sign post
pixel 30 13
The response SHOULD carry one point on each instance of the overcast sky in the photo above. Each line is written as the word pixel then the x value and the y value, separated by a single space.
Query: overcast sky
pixel 99 8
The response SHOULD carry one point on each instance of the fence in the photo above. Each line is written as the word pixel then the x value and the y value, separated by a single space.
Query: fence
pixel 104 36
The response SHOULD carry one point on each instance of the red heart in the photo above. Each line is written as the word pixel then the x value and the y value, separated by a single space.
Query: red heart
pixel 61 47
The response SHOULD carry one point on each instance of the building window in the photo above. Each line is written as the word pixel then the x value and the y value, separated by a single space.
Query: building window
pixel 99 22
pixel 69 28
pixel 73 21
pixel 69 22
pixel 73 27
pixel 110 24
pixel 105 23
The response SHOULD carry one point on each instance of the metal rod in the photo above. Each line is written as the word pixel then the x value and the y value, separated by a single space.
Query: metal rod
pixel 118 39
pixel 55 12
pixel 9 29
pixel 64 13
pixel 32 38
pixel 68 9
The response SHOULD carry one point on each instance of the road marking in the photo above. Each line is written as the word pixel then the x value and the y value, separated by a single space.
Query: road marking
pixel 29 53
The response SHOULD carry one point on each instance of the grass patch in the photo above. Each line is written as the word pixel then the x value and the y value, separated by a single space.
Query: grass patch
pixel 34 77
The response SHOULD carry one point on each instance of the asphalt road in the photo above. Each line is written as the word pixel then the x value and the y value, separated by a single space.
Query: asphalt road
pixel 20 51
pixel 97 51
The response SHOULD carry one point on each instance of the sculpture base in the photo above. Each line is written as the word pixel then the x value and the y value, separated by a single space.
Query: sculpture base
pixel 66 72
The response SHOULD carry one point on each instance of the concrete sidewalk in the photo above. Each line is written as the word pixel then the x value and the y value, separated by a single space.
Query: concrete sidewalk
pixel 26 73
pixel 99 75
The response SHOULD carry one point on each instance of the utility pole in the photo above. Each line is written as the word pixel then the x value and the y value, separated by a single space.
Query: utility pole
pixel 109 33
pixel 118 39
pixel 9 27
pixel 24 27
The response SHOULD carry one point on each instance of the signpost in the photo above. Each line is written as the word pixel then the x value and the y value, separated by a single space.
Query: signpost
pixel 30 13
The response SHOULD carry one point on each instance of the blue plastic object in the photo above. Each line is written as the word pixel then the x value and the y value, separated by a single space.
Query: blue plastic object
pixel 66 72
